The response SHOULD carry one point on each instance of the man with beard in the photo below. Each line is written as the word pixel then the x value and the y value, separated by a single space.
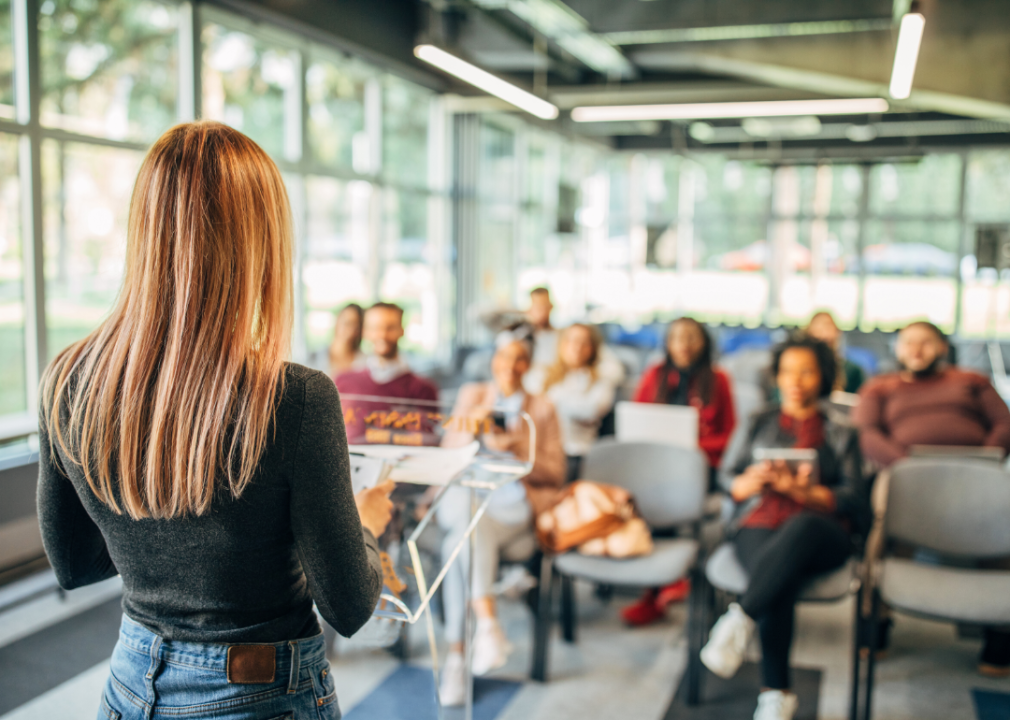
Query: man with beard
pixel 929 402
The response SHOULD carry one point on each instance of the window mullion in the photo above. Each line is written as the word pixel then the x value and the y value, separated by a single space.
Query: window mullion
pixel 28 91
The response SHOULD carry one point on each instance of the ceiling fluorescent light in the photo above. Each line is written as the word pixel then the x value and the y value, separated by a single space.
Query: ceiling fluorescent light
pixel 486 81
pixel 700 111
pixel 906 54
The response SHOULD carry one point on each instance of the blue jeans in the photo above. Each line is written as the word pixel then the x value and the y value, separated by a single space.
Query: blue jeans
pixel 156 678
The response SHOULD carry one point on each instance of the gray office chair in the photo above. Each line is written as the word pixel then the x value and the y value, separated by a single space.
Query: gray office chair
pixel 957 509
pixel 669 486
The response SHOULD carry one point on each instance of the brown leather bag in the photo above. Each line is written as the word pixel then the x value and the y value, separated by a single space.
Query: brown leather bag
pixel 597 519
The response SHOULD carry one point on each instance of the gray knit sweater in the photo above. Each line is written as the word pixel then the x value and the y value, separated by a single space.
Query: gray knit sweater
pixel 250 569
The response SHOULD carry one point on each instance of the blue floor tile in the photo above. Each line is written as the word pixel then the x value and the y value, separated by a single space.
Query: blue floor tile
pixel 408 693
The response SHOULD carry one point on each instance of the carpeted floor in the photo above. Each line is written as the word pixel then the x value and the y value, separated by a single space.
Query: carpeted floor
pixel 736 698
pixel 408 693
pixel 37 663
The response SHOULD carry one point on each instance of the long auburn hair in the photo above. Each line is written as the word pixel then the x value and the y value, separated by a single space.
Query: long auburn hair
pixel 557 371
pixel 703 381
pixel 179 385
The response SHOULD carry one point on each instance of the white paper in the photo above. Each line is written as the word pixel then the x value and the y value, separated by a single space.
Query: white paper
pixel 422 465
pixel 367 472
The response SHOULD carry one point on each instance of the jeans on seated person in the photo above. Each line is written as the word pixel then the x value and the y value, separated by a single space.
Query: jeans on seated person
pixel 507 518
pixel 779 562
pixel 151 677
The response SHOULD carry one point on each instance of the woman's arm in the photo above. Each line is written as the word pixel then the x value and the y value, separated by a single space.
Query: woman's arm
pixel 868 416
pixel 73 542
pixel 589 406
pixel 647 386
pixel 340 558
pixel 549 465
pixel 995 410
pixel 724 421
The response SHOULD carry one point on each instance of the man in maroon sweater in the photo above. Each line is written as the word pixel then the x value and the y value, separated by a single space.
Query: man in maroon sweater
pixel 928 402
pixel 931 403
pixel 387 375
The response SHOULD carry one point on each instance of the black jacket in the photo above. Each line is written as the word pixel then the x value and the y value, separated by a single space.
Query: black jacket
pixel 840 463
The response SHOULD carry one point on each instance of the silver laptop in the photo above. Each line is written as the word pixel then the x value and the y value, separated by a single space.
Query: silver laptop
pixel 651 422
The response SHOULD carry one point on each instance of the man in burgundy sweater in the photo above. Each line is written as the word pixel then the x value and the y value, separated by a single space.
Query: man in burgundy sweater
pixel 387 375
pixel 928 402
pixel 931 403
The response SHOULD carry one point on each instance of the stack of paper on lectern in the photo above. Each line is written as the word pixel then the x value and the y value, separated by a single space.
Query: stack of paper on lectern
pixel 421 465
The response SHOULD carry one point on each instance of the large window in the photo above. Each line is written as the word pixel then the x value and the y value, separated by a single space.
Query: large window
pixel 13 383
pixel 6 62
pixel 353 143
pixel 87 197
pixel 252 85
pixel 109 68
pixel 877 244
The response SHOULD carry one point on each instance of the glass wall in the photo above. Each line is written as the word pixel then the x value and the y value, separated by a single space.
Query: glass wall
pixel 354 145
pixel 748 242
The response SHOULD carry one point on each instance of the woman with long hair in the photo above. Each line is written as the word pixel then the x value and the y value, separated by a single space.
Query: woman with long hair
pixel 687 376
pixel 345 348
pixel 580 396
pixel 179 450
pixel 791 523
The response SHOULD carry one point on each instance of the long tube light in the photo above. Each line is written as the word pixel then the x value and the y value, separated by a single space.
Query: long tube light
pixel 696 111
pixel 487 82
pixel 906 54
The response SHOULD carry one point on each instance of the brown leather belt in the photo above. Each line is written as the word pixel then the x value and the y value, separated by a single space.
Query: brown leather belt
pixel 252 664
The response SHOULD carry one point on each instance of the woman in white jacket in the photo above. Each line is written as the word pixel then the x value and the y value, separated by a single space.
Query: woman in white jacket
pixel 581 395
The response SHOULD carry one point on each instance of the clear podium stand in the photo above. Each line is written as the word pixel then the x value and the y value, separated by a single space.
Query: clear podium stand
pixel 424 443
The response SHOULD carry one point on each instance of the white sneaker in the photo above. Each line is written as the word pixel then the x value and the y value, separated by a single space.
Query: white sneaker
pixel 452 688
pixel 776 705
pixel 724 651
pixel 490 646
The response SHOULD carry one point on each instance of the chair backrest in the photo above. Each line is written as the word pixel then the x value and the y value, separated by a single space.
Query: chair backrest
pixel 956 507
pixel 667 482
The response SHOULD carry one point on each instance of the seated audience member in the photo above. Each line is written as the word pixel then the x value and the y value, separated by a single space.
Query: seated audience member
pixel 345 349
pixel 580 396
pixel 385 374
pixel 545 345
pixel 789 525
pixel 929 402
pixel 686 377
pixel 822 327
pixel 510 514
pixel 545 337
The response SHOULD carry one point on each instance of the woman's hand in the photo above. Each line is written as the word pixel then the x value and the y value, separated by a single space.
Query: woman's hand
pixel 752 482
pixel 800 487
pixel 375 507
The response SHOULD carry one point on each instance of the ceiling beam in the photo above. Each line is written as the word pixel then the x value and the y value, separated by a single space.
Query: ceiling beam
pixel 666 93
pixel 746 32
pixel 817 82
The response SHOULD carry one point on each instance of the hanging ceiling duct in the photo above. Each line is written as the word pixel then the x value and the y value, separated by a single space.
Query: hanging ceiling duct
pixel 570 31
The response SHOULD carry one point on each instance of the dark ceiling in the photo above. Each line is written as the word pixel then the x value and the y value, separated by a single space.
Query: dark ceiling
pixel 618 52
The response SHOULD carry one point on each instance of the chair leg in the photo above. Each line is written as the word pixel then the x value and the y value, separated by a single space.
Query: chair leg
pixel 604 593
pixel 857 648
pixel 871 635
pixel 568 617
pixel 694 634
pixel 542 621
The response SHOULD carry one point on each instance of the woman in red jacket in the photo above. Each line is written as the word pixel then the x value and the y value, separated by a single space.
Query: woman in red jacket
pixel 686 377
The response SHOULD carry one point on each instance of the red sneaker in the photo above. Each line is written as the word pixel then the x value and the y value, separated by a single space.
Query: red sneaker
pixel 644 612
pixel 675 592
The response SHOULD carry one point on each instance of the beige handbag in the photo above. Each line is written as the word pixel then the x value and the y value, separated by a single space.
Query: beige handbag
pixel 596 519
